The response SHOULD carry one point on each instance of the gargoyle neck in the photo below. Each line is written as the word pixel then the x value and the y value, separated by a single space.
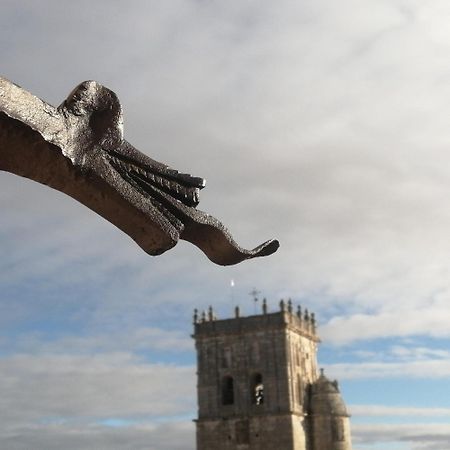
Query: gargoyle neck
pixel 23 152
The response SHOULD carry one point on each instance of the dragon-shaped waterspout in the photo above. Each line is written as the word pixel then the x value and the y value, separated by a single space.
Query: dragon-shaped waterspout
pixel 79 149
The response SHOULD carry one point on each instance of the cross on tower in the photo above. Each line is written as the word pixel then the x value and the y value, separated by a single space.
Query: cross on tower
pixel 254 293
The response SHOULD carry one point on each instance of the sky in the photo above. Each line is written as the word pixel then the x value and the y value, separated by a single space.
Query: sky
pixel 323 124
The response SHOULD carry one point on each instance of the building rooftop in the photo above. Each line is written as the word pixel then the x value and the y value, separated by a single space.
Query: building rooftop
pixel 207 324
pixel 326 398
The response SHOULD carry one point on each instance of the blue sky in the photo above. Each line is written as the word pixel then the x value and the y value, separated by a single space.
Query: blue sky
pixel 323 124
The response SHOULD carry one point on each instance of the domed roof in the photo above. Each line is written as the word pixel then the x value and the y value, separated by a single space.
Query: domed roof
pixel 326 398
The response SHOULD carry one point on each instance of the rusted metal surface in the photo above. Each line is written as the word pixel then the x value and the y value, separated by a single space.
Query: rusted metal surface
pixel 78 148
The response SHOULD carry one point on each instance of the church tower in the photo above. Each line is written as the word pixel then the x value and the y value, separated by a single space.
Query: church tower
pixel 256 379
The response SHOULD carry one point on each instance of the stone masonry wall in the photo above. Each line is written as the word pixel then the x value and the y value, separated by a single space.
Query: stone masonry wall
pixel 278 348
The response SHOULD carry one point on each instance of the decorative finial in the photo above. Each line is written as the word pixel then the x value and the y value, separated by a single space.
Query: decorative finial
pixel 210 314
pixel 237 312
pixel 299 312
pixel 290 306
pixel 322 372
pixel 195 318
pixel 282 305
pixel 313 322
pixel 264 306
pixel 306 317
pixel 307 323
pixel 254 293
pixel 203 316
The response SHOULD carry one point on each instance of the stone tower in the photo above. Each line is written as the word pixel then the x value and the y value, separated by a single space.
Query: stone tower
pixel 329 417
pixel 258 384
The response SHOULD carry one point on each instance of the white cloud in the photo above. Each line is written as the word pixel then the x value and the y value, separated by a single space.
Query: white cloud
pixel 414 436
pixel 333 122
pixel 429 320
pixel 170 342
pixel 70 437
pixel 76 388
pixel 323 124
pixel 426 436
pixel 426 369
pixel 405 411
pixel 411 353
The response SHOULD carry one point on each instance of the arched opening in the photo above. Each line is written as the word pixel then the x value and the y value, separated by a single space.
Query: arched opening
pixel 227 390
pixel 257 389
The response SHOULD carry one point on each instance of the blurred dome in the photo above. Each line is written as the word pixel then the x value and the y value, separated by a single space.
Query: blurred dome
pixel 326 398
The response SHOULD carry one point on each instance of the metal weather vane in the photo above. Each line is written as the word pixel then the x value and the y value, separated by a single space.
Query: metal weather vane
pixel 78 148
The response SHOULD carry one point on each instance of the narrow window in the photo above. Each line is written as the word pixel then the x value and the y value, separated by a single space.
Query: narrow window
pixel 257 389
pixel 227 390
pixel 300 389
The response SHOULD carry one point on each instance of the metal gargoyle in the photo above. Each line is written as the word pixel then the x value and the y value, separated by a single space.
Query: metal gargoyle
pixel 79 149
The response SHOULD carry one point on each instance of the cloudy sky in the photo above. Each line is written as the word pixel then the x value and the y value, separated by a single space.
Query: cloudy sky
pixel 324 124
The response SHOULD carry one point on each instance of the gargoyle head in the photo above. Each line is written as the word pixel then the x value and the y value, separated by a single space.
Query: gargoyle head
pixel 78 148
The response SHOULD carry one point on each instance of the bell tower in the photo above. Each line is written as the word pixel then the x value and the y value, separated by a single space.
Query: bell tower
pixel 254 380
